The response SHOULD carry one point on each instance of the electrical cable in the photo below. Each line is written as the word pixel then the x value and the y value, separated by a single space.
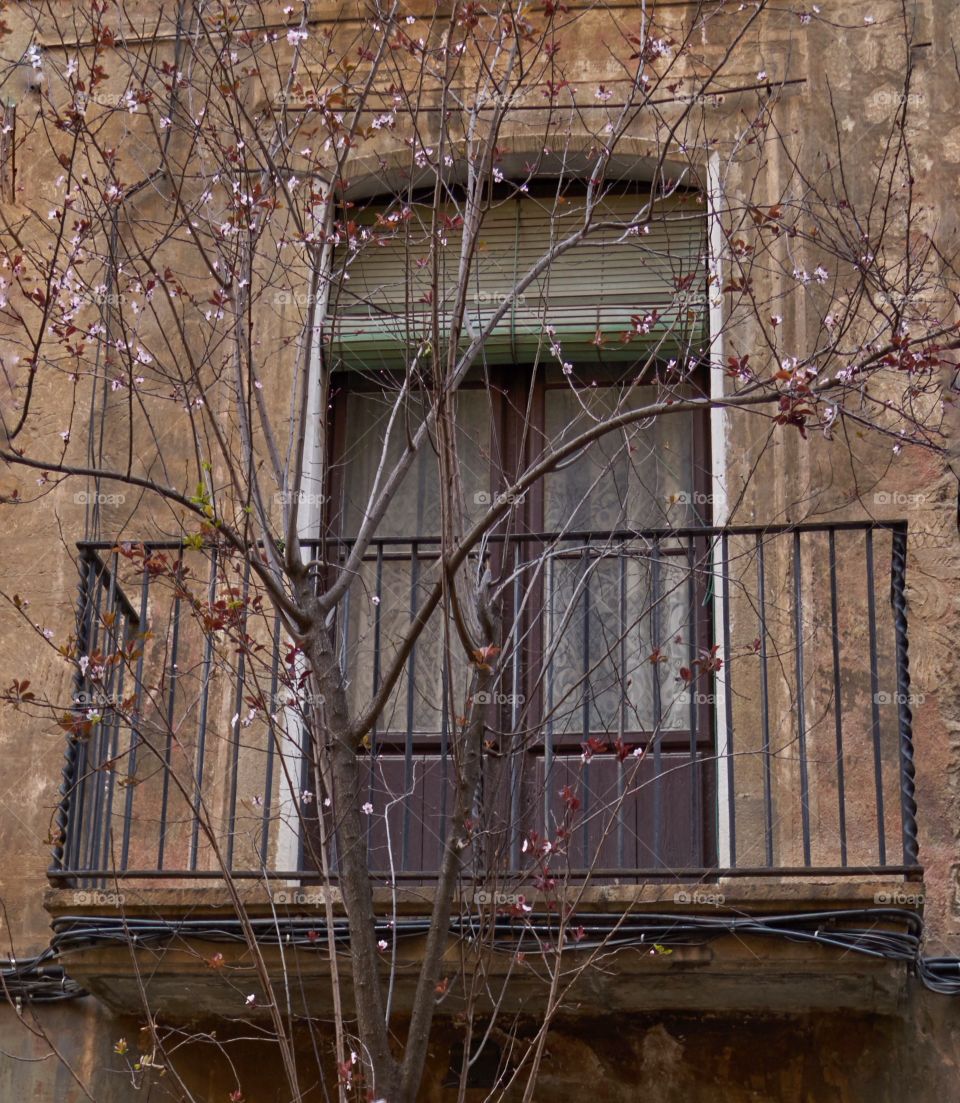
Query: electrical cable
pixel 36 980
pixel 851 930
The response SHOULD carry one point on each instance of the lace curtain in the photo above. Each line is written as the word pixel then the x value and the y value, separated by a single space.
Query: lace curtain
pixel 603 606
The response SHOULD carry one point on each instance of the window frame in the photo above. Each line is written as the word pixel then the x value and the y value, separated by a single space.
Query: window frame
pixel 517 390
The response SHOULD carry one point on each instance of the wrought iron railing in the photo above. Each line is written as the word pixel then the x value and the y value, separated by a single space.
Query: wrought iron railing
pixel 668 704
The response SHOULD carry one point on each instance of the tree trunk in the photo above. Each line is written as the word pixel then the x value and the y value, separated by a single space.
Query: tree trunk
pixel 332 737
pixel 424 1004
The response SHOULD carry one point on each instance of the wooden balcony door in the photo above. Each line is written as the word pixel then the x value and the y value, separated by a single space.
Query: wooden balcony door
pixel 598 620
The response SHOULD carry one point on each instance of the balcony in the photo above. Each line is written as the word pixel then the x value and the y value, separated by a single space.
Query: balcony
pixel 693 714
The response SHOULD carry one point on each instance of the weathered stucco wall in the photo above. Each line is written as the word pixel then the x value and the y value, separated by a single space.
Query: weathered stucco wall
pixel 663 1059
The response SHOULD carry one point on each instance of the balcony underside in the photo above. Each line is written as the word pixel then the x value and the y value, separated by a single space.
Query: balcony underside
pixel 731 971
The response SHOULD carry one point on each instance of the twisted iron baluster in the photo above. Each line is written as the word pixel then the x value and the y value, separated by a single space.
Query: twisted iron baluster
pixel 68 775
pixel 898 600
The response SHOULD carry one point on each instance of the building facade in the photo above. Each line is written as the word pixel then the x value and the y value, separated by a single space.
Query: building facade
pixel 646 320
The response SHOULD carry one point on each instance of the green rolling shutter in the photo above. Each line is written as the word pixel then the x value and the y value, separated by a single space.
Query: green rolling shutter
pixel 593 296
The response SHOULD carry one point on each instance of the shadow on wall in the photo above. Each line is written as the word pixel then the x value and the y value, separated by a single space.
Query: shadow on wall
pixel 674 1059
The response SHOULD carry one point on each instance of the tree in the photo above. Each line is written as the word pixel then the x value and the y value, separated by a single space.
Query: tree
pixel 197 268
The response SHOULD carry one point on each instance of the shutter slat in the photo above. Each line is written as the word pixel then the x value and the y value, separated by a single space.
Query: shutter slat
pixel 379 318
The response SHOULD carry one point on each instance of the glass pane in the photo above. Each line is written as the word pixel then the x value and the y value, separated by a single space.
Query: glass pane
pixel 395 578
pixel 617 632
pixel 618 613
pixel 415 508
pixel 640 477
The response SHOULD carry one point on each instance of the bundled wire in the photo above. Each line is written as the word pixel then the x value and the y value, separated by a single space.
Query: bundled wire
pixel 892 934
pixel 940 974
pixel 509 934
pixel 37 980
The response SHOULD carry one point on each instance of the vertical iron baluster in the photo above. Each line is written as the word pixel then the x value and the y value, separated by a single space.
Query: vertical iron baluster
pixel 96 742
pixel 411 714
pixel 516 771
pixel 309 753
pixel 693 614
pixel 202 718
pixel 234 773
pixel 114 703
pixel 444 747
pixel 801 696
pixel 376 681
pixel 135 725
pixel 341 623
pixel 898 599
pixel 837 696
pixel 728 697
pixel 657 704
pixel 68 810
pixel 622 712
pixel 548 653
pixel 765 704
pixel 444 742
pixel 171 704
pixel 81 782
pixel 585 703
pixel 875 704
pixel 272 737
